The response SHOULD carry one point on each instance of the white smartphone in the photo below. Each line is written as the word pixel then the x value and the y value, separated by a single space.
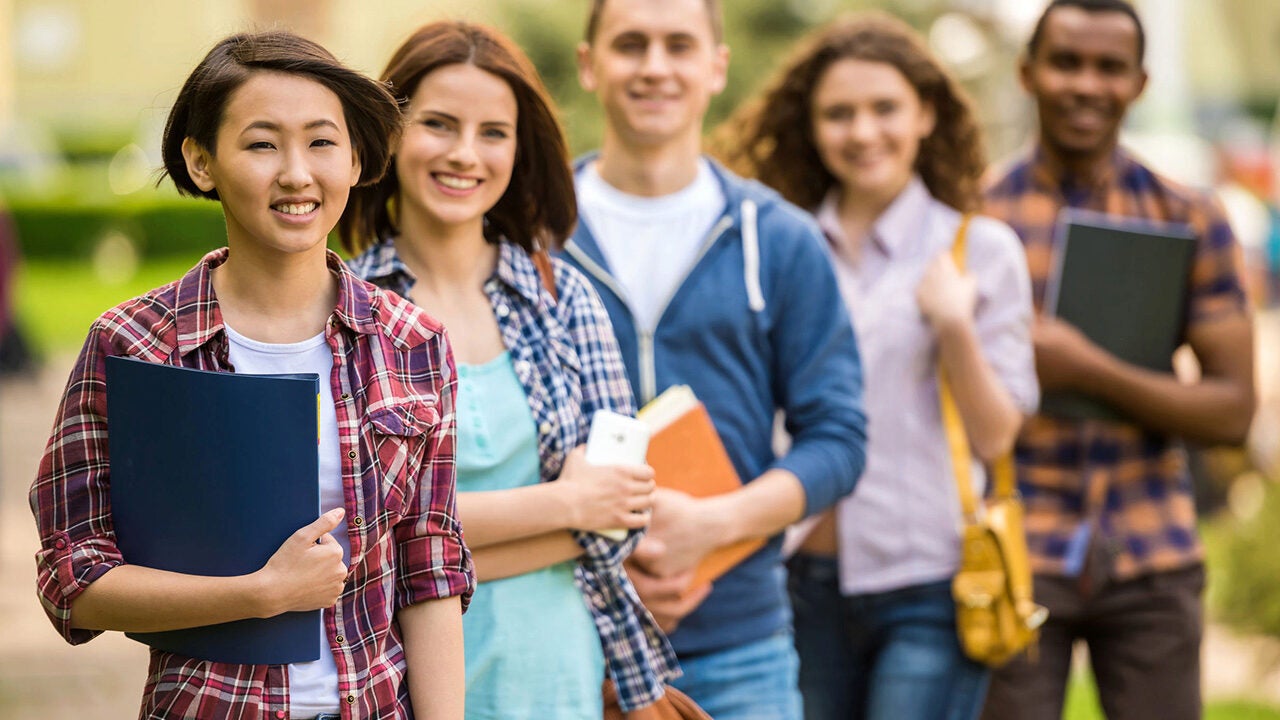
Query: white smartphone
pixel 616 439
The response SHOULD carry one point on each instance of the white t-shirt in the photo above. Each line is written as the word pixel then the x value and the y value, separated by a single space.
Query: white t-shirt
pixel 651 243
pixel 313 686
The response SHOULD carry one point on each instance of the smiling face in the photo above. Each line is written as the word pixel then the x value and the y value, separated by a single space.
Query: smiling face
pixel 654 65
pixel 458 149
pixel 1084 75
pixel 868 122
pixel 283 164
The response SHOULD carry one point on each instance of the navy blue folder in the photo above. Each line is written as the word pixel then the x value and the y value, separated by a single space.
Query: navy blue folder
pixel 210 473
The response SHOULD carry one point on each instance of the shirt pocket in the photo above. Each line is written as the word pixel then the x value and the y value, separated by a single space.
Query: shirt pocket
pixel 398 437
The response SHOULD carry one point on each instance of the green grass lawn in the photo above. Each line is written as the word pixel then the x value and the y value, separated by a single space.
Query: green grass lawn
pixel 1082 704
pixel 57 300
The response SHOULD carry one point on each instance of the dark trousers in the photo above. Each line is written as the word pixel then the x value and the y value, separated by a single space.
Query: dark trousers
pixel 1143 637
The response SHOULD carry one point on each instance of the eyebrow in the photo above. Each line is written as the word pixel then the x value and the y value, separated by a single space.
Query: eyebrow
pixel 268 125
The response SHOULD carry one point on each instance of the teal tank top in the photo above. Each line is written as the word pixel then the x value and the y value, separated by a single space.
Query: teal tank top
pixel 532 649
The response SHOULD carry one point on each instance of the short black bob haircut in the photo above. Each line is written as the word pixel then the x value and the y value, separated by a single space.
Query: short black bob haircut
pixel 372 117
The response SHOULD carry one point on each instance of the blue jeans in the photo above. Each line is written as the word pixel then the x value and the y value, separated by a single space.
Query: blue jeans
pixel 881 656
pixel 756 681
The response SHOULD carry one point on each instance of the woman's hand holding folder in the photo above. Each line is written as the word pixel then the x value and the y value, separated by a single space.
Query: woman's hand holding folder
pixel 307 572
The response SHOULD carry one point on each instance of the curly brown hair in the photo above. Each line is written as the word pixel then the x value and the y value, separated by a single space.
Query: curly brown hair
pixel 770 137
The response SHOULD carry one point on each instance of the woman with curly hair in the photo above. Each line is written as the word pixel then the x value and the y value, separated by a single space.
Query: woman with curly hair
pixel 864 128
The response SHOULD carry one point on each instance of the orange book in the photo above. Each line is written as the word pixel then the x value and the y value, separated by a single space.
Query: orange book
pixel 686 455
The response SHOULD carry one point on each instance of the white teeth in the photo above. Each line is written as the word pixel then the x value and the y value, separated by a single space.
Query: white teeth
pixel 457 183
pixel 296 208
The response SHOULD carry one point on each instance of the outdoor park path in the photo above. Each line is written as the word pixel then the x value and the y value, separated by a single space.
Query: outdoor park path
pixel 42 677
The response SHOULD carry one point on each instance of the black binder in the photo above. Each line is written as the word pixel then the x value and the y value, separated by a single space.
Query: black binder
pixel 1123 283
pixel 210 473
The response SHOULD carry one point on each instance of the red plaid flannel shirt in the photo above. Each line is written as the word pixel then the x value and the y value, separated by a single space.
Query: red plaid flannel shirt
pixel 1133 481
pixel 395 393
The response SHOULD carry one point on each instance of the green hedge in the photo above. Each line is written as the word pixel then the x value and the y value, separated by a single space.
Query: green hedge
pixel 1245 562
pixel 165 228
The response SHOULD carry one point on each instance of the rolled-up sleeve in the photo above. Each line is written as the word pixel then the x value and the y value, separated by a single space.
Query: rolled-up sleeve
pixel 433 561
pixel 70 497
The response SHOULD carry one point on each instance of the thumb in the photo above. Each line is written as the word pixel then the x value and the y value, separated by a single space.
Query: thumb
pixel 648 549
pixel 325 523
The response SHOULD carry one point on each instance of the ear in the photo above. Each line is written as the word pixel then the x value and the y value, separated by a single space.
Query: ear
pixel 928 119
pixel 197 159
pixel 1024 74
pixel 586 76
pixel 1142 82
pixel 720 69
pixel 355 167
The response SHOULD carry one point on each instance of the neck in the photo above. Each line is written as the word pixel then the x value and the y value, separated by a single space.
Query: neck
pixel 649 170
pixel 275 297
pixel 858 211
pixel 1082 169
pixel 445 257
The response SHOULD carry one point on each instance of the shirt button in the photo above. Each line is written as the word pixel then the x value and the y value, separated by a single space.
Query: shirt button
pixel 351 454
pixel 345 396
pixel 280 714
pixel 358 520
pixel 60 543
pixel 340 639
pixel 545 428
pixel 503 311
pixel 351 699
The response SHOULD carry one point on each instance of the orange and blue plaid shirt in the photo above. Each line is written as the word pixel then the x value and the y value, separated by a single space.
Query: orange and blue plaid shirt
pixel 395 386
pixel 1112 482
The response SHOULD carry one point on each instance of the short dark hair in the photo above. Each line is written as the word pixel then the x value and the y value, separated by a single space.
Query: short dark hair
pixel 373 120
pixel 1093 6
pixel 713 12
pixel 539 207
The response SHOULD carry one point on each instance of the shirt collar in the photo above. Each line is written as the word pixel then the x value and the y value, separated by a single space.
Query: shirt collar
pixel 199 318
pixel 382 264
pixel 896 227
pixel 1049 176
pixel 517 271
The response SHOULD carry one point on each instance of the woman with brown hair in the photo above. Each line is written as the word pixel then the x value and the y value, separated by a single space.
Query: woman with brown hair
pixel 480 185
pixel 864 128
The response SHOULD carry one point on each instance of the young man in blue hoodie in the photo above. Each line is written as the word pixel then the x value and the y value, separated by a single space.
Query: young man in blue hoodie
pixel 717 283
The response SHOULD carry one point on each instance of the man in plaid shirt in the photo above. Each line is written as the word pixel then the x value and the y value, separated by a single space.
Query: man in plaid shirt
pixel 1110 515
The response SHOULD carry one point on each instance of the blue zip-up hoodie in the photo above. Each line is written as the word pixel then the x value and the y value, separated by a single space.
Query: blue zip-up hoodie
pixel 757 325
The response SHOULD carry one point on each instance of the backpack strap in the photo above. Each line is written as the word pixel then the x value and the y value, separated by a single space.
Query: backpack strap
pixel 953 424
pixel 542 261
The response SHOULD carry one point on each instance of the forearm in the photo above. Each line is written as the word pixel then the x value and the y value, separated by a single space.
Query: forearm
pixel 500 516
pixel 991 420
pixel 1212 411
pixel 131 598
pixel 761 509
pixel 432 632
pixel 517 557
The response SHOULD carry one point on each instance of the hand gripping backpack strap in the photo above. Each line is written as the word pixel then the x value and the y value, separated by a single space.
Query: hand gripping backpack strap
pixel 995 615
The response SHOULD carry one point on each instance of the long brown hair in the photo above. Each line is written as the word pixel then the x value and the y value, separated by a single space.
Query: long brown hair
pixel 771 136
pixel 539 208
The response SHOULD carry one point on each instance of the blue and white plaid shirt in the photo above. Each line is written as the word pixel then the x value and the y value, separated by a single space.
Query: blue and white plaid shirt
pixel 568 362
